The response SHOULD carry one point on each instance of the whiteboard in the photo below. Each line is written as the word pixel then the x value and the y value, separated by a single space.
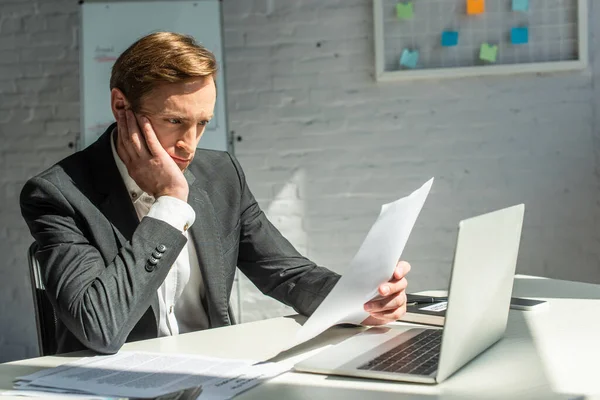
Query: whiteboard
pixel 109 28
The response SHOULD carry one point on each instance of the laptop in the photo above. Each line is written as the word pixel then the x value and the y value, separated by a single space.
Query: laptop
pixel 477 312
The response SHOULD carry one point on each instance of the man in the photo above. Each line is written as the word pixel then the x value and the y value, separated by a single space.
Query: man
pixel 139 234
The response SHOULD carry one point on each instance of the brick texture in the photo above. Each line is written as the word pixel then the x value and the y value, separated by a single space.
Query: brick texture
pixel 302 99
pixel 38 126
pixel 323 145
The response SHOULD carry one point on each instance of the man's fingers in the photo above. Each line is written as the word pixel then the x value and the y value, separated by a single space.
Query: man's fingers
pixel 122 152
pixel 393 286
pixel 389 303
pixel 390 315
pixel 402 268
pixel 154 145
pixel 393 304
pixel 144 150
pixel 123 141
pixel 121 126
pixel 135 135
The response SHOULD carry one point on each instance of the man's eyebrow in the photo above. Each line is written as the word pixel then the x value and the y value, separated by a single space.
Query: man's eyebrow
pixel 182 117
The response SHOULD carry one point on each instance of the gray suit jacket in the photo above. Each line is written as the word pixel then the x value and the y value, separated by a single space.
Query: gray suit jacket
pixel 94 252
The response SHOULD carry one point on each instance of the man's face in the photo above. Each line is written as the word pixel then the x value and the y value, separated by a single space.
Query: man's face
pixel 179 113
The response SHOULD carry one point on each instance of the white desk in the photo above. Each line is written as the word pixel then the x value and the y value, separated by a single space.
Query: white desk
pixel 546 354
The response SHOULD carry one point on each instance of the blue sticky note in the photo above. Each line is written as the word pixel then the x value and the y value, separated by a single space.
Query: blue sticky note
pixel 409 59
pixel 519 35
pixel 449 38
pixel 520 5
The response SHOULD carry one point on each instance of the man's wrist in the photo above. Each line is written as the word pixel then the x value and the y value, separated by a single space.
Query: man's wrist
pixel 178 193
pixel 172 210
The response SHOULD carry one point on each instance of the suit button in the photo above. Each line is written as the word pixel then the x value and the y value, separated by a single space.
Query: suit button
pixel 150 267
pixel 161 248
pixel 152 261
pixel 156 254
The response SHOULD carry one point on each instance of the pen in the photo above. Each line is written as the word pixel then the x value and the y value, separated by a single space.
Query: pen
pixel 418 299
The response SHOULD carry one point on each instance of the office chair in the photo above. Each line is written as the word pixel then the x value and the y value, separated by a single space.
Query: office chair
pixel 45 317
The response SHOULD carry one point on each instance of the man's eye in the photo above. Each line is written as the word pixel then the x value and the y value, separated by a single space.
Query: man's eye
pixel 204 123
pixel 174 121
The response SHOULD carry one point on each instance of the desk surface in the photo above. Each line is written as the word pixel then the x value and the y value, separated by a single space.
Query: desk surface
pixel 550 353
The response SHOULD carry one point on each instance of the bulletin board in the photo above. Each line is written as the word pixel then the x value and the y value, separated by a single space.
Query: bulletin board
pixel 457 38
pixel 109 27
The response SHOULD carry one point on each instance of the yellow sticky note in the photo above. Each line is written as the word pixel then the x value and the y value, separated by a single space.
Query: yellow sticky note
pixel 475 7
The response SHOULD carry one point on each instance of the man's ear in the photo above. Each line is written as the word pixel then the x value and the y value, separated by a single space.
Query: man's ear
pixel 118 102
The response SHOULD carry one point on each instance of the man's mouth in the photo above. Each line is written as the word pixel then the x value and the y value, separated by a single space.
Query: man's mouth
pixel 181 161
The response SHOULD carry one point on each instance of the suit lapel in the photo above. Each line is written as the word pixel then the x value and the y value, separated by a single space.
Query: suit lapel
pixel 207 241
pixel 119 210
pixel 117 205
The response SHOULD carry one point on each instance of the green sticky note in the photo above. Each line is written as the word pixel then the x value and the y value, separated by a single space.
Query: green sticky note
pixel 488 52
pixel 405 10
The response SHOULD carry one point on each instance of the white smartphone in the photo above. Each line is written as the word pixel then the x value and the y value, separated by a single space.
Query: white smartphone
pixel 518 303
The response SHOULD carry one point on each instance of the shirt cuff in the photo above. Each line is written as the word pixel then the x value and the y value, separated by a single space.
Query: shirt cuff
pixel 175 212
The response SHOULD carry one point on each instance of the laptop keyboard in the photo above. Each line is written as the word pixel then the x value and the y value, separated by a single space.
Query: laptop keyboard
pixel 418 355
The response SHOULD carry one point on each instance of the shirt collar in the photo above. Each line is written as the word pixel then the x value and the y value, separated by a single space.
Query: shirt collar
pixel 135 193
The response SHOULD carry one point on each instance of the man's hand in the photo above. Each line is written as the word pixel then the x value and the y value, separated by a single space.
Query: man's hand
pixel 393 304
pixel 147 162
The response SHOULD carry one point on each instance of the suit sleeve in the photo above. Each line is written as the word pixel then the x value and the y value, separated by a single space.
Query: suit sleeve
pixel 271 262
pixel 99 302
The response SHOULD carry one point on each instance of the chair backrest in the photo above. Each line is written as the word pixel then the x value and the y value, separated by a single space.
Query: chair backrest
pixel 45 317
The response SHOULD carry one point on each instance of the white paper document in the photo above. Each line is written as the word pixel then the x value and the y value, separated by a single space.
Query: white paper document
pixel 50 395
pixel 243 380
pixel 147 375
pixel 373 264
pixel 437 307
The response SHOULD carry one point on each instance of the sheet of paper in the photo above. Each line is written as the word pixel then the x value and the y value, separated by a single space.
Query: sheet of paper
pixel 49 395
pixel 437 307
pixel 138 374
pixel 373 264
pixel 25 380
pixel 142 374
pixel 245 379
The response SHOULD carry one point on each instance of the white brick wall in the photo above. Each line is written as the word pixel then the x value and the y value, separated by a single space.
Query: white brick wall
pixel 303 99
pixel 39 121
pixel 323 145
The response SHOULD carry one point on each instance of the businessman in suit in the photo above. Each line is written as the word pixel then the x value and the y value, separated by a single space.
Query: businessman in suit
pixel 140 233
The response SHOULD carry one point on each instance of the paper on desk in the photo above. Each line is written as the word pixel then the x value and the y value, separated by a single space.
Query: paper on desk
pixel 373 264
pixel 243 380
pixel 51 395
pixel 143 374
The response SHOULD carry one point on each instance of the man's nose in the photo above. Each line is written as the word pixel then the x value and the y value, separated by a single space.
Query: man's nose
pixel 188 140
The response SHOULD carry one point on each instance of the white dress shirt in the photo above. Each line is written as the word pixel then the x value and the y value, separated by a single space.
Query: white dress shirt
pixel 180 296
